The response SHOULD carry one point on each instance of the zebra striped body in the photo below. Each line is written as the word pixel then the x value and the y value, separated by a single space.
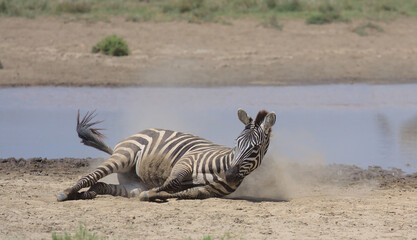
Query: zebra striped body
pixel 159 164
pixel 156 152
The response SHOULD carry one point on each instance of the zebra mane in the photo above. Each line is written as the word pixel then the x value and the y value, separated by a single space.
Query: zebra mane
pixel 260 117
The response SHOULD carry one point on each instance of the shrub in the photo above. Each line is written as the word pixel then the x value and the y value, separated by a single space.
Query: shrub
pixel 112 45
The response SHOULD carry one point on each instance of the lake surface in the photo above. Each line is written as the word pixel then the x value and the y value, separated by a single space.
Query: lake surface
pixel 364 125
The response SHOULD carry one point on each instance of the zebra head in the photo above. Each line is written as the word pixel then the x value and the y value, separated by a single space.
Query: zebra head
pixel 251 145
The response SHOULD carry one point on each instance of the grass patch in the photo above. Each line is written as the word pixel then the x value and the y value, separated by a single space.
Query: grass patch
pixel 387 6
pixel 112 45
pixel 328 13
pixel 315 11
pixel 24 8
pixel 192 10
pixel 225 236
pixel 141 17
pixel 184 6
pixel 74 7
pixel 364 29
pixel 284 5
pixel 82 233
pixel 325 18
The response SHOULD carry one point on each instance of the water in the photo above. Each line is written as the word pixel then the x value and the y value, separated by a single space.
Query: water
pixel 351 124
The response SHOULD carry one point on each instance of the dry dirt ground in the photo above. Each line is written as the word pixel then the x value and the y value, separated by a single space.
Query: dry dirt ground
pixel 334 202
pixel 48 51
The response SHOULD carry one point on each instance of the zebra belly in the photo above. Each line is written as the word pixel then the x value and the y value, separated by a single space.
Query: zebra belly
pixel 153 170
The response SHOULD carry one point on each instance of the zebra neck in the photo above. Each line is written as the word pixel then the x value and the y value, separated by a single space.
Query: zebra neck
pixel 229 160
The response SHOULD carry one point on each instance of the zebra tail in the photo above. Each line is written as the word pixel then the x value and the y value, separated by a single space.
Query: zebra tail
pixel 91 136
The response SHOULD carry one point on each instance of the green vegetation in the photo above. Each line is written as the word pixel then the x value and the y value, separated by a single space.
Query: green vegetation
pixel 364 29
pixel 284 5
pixel 315 12
pixel 74 7
pixel 112 45
pixel 81 234
pixel 225 236
pixel 328 13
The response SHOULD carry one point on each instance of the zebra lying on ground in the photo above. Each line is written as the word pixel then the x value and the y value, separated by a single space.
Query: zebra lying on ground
pixel 159 164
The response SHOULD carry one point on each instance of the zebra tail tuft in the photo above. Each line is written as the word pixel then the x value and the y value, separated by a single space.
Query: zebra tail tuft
pixel 91 136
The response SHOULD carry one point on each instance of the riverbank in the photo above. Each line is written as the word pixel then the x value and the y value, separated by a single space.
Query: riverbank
pixel 48 51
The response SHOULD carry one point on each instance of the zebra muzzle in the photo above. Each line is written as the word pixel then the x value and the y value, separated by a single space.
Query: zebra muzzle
pixel 233 175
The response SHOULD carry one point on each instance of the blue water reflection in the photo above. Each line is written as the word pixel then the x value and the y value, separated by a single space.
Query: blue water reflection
pixel 352 124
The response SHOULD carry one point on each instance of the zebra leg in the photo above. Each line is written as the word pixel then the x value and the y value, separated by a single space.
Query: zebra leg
pixel 116 163
pixel 200 192
pixel 182 170
pixel 101 188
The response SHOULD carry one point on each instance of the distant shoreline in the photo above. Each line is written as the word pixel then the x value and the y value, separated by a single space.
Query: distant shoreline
pixel 51 52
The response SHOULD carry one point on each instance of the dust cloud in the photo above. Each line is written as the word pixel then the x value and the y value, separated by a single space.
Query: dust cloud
pixel 280 179
pixel 277 179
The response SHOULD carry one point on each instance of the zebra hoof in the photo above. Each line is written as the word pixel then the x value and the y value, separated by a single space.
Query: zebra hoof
pixel 60 197
pixel 143 196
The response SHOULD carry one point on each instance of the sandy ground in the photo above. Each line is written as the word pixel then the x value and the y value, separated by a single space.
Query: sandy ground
pixel 47 51
pixel 334 202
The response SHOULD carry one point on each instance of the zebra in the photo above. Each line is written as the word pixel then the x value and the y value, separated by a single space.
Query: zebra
pixel 158 164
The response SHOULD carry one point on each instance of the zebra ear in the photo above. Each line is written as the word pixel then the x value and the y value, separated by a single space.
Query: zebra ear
pixel 269 120
pixel 243 116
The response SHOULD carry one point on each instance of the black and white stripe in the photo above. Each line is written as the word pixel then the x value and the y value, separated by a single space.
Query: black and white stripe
pixel 159 164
